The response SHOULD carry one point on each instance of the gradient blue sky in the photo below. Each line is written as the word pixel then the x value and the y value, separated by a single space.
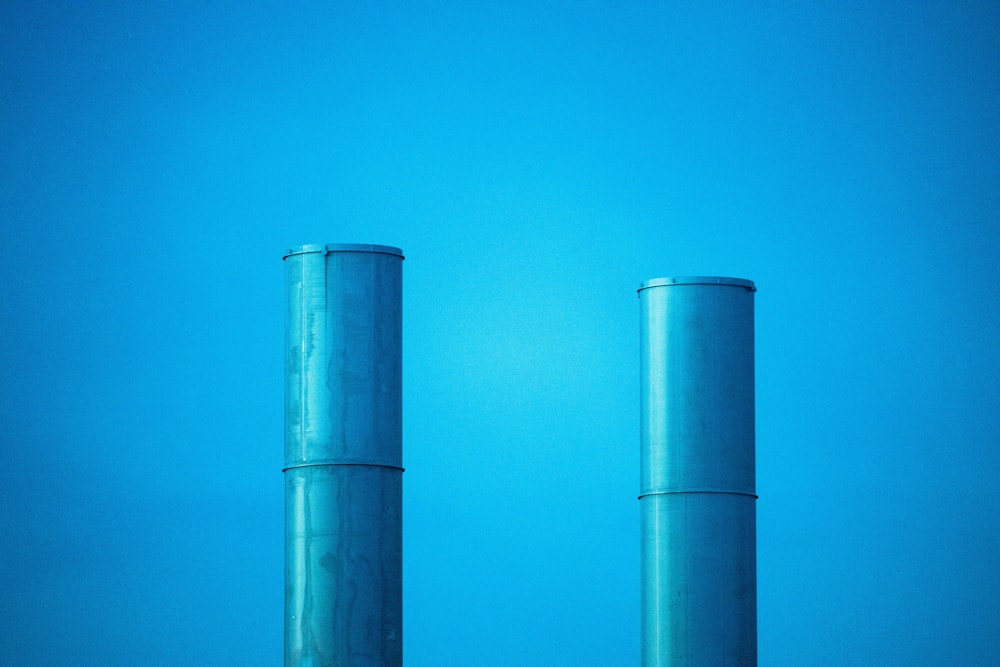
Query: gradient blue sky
pixel 536 162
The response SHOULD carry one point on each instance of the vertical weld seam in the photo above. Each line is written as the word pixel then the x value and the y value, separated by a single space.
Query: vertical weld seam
pixel 375 340
pixel 307 587
pixel 377 335
pixel 303 381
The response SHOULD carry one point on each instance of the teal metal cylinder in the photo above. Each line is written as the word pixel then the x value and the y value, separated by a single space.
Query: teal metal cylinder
pixel 697 472
pixel 343 456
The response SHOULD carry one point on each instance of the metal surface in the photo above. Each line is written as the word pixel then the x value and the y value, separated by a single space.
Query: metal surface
pixel 697 477
pixel 343 456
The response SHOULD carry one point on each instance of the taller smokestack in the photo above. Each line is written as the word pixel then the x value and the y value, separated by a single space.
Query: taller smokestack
pixel 697 478
pixel 343 456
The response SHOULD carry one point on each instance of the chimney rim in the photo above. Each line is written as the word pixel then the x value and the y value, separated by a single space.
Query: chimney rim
pixel 328 248
pixel 698 280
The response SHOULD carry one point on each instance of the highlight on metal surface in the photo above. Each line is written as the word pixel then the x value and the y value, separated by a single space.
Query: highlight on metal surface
pixel 343 456
pixel 697 472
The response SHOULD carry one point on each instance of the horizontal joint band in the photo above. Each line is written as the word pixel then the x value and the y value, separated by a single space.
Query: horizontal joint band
pixel 668 493
pixel 321 464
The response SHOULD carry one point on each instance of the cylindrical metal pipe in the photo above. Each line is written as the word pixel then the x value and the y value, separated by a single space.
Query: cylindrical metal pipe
pixel 697 472
pixel 343 456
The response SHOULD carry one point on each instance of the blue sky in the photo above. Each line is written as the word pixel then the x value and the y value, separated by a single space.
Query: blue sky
pixel 535 162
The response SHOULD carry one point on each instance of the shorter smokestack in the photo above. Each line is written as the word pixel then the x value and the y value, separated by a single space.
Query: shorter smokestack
pixel 697 477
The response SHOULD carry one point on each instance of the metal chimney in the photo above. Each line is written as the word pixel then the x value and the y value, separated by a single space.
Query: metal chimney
pixel 343 456
pixel 697 478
